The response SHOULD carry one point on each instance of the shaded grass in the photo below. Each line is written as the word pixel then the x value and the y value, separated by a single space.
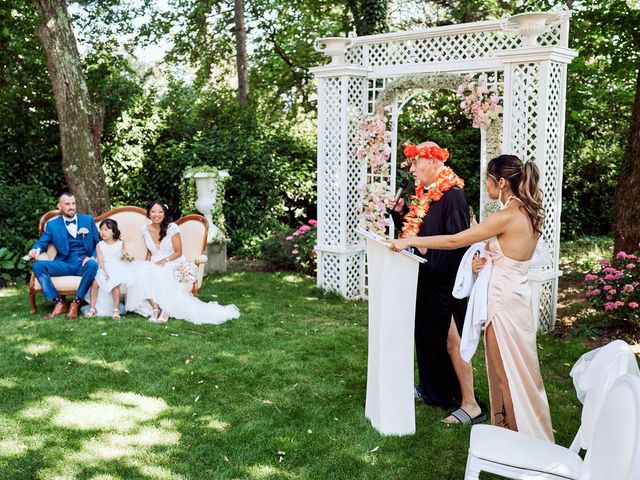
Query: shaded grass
pixel 276 394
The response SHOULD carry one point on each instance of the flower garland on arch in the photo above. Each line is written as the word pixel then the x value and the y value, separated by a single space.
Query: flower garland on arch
pixel 375 150
pixel 420 203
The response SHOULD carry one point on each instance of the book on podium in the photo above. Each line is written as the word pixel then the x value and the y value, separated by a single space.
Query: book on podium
pixel 392 283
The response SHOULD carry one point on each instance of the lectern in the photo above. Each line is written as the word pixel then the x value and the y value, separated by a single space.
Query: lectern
pixel 392 287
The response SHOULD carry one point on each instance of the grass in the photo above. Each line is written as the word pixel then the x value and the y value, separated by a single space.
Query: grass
pixel 276 394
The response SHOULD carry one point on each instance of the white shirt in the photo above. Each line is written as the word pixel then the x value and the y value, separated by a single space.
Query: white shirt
pixel 72 228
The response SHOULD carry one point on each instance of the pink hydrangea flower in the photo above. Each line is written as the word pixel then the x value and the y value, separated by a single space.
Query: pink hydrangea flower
pixel 290 237
pixel 621 255
pixel 610 306
pixel 304 229
pixel 607 287
pixel 590 277
pixel 631 265
pixel 604 262
pixel 313 223
pixel 633 305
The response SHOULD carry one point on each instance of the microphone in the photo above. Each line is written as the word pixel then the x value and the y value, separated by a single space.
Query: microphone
pixel 403 185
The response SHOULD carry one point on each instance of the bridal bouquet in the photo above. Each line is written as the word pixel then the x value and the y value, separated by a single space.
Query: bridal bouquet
pixel 186 272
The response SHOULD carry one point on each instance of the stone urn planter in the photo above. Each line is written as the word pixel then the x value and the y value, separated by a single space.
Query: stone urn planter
pixel 207 184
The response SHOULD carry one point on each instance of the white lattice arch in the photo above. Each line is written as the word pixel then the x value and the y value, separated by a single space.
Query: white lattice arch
pixel 534 80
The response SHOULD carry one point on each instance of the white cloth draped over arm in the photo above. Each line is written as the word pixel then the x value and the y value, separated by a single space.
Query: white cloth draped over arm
pixel 467 285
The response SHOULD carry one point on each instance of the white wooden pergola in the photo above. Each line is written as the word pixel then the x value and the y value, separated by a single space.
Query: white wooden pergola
pixel 533 77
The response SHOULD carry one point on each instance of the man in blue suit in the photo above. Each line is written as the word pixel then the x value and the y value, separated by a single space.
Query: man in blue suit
pixel 75 237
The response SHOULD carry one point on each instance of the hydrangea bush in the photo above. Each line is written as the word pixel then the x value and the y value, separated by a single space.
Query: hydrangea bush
pixel 301 247
pixel 615 288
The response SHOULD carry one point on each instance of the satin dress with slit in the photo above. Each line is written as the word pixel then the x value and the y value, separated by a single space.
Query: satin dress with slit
pixel 518 398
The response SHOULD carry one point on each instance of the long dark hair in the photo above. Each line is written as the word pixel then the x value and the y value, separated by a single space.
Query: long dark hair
pixel 165 221
pixel 524 181
pixel 113 226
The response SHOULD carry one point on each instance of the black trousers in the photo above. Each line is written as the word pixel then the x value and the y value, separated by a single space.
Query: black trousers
pixel 434 308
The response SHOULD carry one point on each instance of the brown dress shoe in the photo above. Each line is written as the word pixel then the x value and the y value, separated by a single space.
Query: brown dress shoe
pixel 58 309
pixel 73 311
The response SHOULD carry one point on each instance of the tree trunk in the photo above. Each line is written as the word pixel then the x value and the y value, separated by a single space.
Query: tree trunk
pixel 241 52
pixel 80 122
pixel 626 223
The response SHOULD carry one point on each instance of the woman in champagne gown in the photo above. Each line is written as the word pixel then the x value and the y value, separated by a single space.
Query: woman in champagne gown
pixel 518 398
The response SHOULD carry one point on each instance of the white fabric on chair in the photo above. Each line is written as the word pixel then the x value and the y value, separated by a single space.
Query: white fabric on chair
pixel 593 374
pixel 614 453
pixel 467 285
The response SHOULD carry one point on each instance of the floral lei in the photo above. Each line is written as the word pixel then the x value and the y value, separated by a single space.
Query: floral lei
pixel 420 203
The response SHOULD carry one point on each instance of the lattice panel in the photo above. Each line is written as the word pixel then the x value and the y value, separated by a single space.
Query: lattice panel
pixel 547 306
pixel 329 271
pixel 331 161
pixel 354 268
pixel 525 100
pixel 438 49
pixel 356 105
pixel 552 173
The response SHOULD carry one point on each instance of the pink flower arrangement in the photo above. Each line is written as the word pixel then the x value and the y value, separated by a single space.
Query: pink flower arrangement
pixel 374 152
pixel 478 102
pixel 614 289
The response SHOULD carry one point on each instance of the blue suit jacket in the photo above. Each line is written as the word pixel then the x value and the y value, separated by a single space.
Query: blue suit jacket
pixel 55 232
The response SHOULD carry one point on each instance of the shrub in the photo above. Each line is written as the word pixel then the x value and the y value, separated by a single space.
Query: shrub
pixel 293 250
pixel 615 290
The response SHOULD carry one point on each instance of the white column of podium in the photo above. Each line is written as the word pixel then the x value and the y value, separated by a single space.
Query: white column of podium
pixel 392 297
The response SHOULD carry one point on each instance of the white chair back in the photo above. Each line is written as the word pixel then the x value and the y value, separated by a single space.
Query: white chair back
pixel 615 446
pixel 593 375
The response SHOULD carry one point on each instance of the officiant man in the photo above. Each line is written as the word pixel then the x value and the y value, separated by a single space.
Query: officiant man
pixel 439 207
pixel 75 237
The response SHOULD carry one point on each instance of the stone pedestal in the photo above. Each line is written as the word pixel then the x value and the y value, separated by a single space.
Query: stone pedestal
pixel 217 257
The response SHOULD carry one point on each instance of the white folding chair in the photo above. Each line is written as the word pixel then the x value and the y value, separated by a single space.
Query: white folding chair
pixel 614 453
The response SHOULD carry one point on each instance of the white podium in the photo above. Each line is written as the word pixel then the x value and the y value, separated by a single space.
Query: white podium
pixel 392 286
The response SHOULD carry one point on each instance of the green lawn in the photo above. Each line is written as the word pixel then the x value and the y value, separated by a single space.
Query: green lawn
pixel 276 394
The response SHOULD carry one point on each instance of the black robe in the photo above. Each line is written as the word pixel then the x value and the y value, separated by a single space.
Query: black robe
pixel 434 303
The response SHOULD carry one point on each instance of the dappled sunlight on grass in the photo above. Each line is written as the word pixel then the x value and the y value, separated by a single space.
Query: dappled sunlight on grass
pixel 15 446
pixel 38 348
pixel 266 471
pixel 8 382
pixel 107 411
pixel 113 366
pixel 113 446
pixel 293 279
pixel 214 423
pixel 126 437
pixel 8 292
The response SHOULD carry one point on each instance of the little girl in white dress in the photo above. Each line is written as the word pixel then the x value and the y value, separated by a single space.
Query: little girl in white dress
pixel 113 271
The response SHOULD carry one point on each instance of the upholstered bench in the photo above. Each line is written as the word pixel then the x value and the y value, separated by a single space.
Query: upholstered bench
pixel 193 230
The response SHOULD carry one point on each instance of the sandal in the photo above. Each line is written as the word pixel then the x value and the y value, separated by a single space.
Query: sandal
pixel 154 315
pixel 116 313
pixel 91 313
pixel 463 418
pixel 164 318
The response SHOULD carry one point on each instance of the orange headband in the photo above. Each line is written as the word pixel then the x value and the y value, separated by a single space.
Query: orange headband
pixel 411 152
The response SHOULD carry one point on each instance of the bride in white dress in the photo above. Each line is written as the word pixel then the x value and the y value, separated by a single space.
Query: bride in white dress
pixel 156 292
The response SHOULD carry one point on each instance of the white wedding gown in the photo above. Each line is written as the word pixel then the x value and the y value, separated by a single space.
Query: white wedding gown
pixel 159 284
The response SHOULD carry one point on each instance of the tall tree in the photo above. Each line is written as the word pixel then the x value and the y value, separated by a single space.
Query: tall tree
pixel 369 16
pixel 241 52
pixel 79 120
pixel 615 44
